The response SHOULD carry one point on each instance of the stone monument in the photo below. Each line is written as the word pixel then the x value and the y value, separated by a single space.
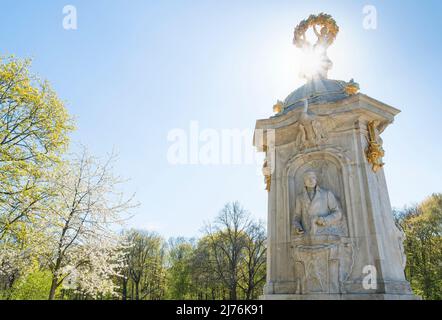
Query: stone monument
pixel 331 232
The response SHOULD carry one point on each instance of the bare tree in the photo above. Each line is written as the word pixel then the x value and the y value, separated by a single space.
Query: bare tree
pixel 206 283
pixel 227 239
pixel 253 273
pixel 145 264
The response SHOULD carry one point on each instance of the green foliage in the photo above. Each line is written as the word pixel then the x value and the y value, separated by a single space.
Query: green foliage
pixel 179 276
pixel 422 225
pixel 237 252
pixel 34 286
pixel 34 127
pixel 206 282
pixel 199 270
pixel 227 262
pixel 144 273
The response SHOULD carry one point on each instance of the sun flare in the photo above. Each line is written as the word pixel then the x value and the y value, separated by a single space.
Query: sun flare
pixel 310 63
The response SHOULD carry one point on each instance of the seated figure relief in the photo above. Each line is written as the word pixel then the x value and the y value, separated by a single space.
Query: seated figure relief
pixel 321 252
pixel 317 211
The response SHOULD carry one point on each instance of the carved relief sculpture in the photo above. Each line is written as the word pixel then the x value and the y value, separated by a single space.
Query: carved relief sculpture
pixel 322 255
pixel 311 131
pixel 329 216
pixel 316 211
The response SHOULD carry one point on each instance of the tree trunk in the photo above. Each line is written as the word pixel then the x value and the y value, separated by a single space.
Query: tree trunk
pixel 53 288
pixel 232 292
pixel 137 291
pixel 124 294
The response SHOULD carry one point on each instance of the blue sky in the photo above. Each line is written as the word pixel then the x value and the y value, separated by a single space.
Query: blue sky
pixel 134 70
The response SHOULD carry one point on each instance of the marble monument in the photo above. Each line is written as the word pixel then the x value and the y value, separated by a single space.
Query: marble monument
pixel 331 232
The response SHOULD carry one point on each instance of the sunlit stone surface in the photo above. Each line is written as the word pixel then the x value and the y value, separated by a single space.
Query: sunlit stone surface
pixel 331 232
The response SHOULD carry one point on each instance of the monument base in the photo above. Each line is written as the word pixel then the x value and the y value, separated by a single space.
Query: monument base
pixel 352 296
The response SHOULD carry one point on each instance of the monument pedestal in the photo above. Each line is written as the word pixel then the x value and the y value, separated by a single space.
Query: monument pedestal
pixel 326 240
pixel 331 233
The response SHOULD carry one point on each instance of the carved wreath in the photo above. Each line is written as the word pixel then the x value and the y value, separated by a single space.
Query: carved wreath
pixel 323 20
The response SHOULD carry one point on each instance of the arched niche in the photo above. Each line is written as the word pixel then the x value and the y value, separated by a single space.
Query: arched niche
pixel 331 166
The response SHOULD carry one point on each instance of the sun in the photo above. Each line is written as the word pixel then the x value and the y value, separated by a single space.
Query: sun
pixel 311 63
